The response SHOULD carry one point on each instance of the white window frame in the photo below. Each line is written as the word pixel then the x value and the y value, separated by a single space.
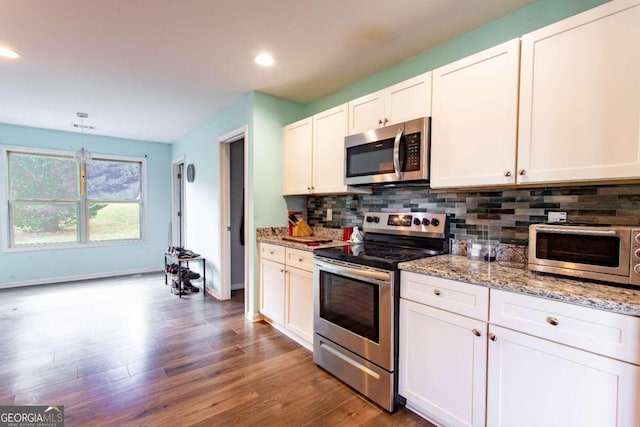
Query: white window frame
pixel 82 215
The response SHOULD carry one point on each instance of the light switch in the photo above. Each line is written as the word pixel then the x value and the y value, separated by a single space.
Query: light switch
pixel 329 214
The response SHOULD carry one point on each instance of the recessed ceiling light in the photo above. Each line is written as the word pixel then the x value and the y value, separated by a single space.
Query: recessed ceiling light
pixel 265 60
pixel 8 53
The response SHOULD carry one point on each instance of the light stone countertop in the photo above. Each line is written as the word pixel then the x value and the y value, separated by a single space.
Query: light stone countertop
pixel 595 295
pixel 277 240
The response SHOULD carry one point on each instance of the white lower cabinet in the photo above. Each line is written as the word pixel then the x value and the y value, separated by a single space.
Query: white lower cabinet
pixel 286 291
pixel 299 303
pixel 443 349
pixel 535 382
pixel 443 359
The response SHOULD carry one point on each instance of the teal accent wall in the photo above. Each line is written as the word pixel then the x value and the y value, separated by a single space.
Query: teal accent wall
pixel 265 116
pixel 529 18
pixel 46 266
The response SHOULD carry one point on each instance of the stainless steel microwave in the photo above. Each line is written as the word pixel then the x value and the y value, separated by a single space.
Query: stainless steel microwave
pixel 390 154
pixel 601 252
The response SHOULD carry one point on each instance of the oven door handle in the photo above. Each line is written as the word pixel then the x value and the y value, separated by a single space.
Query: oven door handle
pixel 355 273
pixel 396 154
pixel 578 231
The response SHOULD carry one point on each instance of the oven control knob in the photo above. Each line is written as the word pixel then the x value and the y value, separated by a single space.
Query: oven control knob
pixel 637 238
pixel 637 268
pixel 416 221
pixel 435 222
pixel 376 219
pixel 425 221
pixel 636 253
pixel 369 219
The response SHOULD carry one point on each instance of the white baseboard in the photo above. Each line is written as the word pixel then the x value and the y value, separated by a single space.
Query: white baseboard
pixel 236 286
pixel 77 278
pixel 254 317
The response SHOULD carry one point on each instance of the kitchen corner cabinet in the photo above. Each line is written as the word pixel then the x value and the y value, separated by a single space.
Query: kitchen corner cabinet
pixel 474 124
pixel 314 155
pixel 286 291
pixel 580 97
pixel 556 364
pixel 407 100
pixel 443 349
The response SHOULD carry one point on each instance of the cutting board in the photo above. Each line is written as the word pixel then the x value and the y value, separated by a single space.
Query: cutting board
pixel 306 239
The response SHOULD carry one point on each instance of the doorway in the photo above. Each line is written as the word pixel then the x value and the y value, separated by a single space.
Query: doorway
pixel 177 237
pixel 234 223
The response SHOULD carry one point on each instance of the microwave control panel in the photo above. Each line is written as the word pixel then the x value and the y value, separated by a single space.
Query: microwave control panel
pixel 412 145
pixel 635 257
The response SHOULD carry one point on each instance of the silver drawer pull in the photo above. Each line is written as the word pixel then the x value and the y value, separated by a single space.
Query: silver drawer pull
pixel 493 337
pixel 553 321
pixel 476 332
pixel 272 252
pixel 300 259
pixel 437 291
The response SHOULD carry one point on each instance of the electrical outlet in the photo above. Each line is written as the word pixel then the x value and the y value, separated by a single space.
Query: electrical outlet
pixel 329 214
pixel 557 217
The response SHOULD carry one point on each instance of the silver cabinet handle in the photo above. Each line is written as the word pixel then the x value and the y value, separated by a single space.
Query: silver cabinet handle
pixel 386 120
pixel 507 173
pixel 476 332
pixel 272 252
pixel 523 172
pixel 553 321
pixel 380 121
pixel 300 259
pixel 283 271
pixel 437 291
pixel 493 337
pixel 396 154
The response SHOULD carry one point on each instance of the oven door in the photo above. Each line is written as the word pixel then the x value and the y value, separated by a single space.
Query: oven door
pixel 353 307
pixel 592 252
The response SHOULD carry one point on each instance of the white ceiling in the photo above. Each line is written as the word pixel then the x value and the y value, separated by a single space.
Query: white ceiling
pixel 155 69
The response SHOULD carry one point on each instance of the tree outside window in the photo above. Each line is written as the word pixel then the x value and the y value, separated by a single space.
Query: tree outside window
pixel 47 207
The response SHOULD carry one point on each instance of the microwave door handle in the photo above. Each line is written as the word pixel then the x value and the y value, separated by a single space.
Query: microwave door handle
pixel 396 154
pixel 578 231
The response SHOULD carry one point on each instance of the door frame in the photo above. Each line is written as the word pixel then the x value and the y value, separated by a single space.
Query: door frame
pixel 224 158
pixel 176 191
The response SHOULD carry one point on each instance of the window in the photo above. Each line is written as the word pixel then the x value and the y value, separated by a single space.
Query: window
pixel 57 198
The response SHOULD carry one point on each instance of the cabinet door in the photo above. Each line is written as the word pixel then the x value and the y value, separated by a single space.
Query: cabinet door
pixel 367 112
pixel 329 130
pixel 475 113
pixel 272 284
pixel 534 382
pixel 442 366
pixel 299 303
pixel 580 97
pixel 297 157
pixel 408 100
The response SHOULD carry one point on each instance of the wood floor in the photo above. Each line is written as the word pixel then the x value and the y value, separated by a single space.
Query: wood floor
pixel 125 351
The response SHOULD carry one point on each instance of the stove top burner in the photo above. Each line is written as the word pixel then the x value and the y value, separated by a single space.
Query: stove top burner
pixel 376 255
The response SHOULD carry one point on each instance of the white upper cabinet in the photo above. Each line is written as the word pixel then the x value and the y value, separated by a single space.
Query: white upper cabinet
pixel 580 97
pixel 475 118
pixel 313 154
pixel 404 101
pixel 297 158
pixel 329 130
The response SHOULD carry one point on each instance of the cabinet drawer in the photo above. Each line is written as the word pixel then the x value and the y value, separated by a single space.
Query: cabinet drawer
pixel 272 252
pixel 610 334
pixel 299 259
pixel 457 297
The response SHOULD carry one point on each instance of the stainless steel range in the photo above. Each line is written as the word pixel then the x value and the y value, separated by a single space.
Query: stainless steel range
pixel 356 298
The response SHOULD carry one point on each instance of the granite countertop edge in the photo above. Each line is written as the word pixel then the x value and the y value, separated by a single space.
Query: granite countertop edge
pixel 493 275
pixel 277 240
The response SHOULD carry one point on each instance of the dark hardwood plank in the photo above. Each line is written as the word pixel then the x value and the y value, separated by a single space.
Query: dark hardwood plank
pixel 124 351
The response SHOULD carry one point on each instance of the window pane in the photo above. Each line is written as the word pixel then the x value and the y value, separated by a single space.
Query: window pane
pixel 114 221
pixel 44 222
pixel 35 176
pixel 113 180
